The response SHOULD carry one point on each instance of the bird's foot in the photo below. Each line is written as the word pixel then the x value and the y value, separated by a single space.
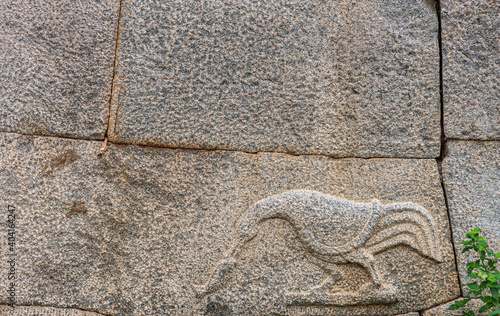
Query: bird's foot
pixel 378 289
pixel 322 289
pixel 199 290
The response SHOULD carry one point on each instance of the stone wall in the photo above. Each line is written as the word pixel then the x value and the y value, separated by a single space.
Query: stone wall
pixel 238 157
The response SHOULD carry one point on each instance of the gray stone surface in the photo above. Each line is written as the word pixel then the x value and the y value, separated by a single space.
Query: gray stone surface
pixel 442 310
pixel 138 230
pixel 471 172
pixel 470 33
pixel 56 65
pixel 410 314
pixel 341 78
pixel 42 311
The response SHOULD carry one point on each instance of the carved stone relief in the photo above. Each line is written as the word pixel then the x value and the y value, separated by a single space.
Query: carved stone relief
pixel 384 227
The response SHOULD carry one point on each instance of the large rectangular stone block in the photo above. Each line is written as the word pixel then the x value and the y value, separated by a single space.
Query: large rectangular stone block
pixel 56 66
pixel 341 78
pixel 471 172
pixel 148 231
pixel 471 71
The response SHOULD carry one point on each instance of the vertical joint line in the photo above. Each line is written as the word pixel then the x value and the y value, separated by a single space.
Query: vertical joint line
pixel 443 137
pixel 441 89
pixel 452 238
pixel 117 37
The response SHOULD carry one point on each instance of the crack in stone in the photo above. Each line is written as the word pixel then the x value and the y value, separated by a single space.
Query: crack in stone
pixel 210 149
pixel 443 150
pixel 112 88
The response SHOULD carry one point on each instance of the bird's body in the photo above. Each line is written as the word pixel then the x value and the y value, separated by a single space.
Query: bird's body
pixel 335 231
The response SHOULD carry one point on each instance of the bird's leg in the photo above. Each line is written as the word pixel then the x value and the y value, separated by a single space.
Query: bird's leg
pixel 334 276
pixel 366 260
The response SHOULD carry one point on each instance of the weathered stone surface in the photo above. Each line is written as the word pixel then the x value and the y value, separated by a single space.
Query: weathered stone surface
pixel 470 33
pixel 139 230
pixel 409 314
pixel 471 173
pixel 442 310
pixel 342 78
pixel 56 65
pixel 42 311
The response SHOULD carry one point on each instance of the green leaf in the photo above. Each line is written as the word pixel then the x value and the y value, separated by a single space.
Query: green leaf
pixel 458 304
pixel 482 245
pixel 485 299
pixel 472 285
pixel 453 307
pixel 484 308
pixel 495 312
pixel 494 292
pixel 477 292
pixel 482 275
pixel 495 302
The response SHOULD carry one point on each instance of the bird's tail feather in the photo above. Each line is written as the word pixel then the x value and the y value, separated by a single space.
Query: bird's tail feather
pixel 409 224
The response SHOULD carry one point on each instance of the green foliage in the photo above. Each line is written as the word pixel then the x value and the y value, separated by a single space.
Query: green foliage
pixel 485 271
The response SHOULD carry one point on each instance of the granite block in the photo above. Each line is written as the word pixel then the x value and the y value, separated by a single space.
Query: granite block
pixel 56 66
pixel 155 231
pixel 471 172
pixel 338 78
pixel 471 69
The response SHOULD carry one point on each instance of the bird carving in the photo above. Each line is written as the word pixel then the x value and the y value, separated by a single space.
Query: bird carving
pixel 334 231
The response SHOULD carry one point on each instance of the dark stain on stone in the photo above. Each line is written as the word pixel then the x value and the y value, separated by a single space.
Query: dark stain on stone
pixel 431 4
pixel 217 309
pixel 59 161
pixel 76 208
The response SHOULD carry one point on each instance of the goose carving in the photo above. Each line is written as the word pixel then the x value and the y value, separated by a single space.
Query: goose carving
pixel 334 231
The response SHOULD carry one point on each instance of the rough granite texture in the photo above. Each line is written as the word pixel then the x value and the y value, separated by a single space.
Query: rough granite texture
pixel 341 78
pixel 442 310
pixel 471 173
pixel 131 232
pixel 471 68
pixel 56 65
pixel 42 311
